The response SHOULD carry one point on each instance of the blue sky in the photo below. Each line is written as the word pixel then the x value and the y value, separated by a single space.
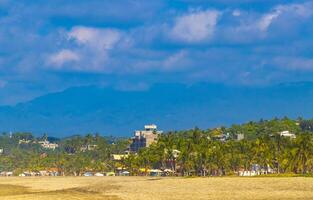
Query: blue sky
pixel 51 45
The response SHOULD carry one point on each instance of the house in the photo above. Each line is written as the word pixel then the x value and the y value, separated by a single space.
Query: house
pixel 287 134
pixel 144 138
pixel 240 136
pixel 89 147
pixel 47 145
pixel 23 141
pixel 119 157
pixel 222 137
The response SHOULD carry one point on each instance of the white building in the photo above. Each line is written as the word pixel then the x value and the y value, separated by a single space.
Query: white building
pixel 240 136
pixel 47 145
pixel 23 141
pixel 287 134
pixel 89 147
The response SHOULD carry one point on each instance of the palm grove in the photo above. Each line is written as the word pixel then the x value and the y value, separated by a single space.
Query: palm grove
pixel 192 152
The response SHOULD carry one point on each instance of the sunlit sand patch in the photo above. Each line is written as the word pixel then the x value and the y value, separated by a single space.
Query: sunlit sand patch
pixel 8 192
pixel 143 188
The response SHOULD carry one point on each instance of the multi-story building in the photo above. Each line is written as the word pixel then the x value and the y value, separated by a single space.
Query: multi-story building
pixel 144 138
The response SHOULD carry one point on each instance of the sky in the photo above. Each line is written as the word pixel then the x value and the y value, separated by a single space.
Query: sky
pixel 51 45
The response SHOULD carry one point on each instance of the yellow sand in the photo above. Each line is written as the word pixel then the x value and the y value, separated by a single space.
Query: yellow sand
pixel 146 188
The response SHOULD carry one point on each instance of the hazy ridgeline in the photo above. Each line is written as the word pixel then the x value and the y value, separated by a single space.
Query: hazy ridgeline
pixel 200 152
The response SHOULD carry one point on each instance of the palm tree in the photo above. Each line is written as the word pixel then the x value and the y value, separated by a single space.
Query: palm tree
pixel 303 152
pixel 262 152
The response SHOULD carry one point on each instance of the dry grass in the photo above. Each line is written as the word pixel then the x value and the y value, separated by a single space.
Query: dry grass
pixel 137 188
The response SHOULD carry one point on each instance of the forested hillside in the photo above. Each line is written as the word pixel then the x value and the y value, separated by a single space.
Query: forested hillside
pixel 216 151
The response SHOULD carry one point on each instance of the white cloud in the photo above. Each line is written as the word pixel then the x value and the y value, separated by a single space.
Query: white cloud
pixel 89 49
pixel 58 59
pixel 302 10
pixel 294 63
pixel 102 39
pixel 267 19
pixel 249 26
pixel 299 10
pixel 176 61
pixel 195 26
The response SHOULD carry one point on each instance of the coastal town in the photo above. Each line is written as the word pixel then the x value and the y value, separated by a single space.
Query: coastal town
pixel 139 155
pixel 156 99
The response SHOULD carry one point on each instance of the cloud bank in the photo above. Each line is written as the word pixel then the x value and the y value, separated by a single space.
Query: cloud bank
pixel 51 45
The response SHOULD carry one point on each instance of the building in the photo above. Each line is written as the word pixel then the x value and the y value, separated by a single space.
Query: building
pixel 240 136
pixel 89 147
pixel 47 145
pixel 221 137
pixel 287 134
pixel 23 141
pixel 1 151
pixel 144 138
pixel 119 157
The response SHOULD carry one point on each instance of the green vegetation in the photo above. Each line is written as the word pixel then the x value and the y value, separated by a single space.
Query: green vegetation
pixel 71 158
pixel 203 153
pixel 212 152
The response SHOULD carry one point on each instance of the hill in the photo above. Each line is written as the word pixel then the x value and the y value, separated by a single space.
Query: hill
pixel 171 106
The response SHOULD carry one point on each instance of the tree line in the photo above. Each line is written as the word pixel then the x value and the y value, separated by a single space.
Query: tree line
pixel 191 152
pixel 71 158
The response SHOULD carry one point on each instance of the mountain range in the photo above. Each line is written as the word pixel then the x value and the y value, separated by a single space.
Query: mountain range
pixel 91 109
